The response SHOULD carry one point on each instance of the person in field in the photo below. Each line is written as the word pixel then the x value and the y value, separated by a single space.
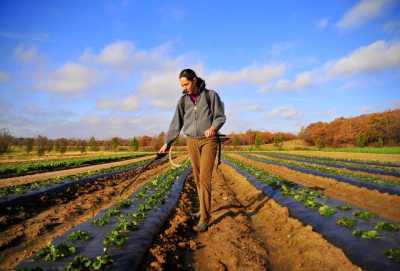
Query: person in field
pixel 201 113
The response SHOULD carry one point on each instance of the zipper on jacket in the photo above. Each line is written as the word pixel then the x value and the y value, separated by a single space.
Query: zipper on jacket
pixel 195 115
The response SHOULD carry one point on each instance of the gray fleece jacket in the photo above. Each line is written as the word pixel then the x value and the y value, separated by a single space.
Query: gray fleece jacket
pixel 196 118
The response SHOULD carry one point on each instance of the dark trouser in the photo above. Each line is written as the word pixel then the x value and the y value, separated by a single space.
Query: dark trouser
pixel 202 153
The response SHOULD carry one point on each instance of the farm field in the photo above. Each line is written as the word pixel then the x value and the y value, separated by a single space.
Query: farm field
pixel 32 167
pixel 311 225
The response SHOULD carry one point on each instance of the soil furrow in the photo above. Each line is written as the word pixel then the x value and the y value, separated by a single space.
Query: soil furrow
pixel 248 231
pixel 26 179
pixel 386 205
pixel 25 238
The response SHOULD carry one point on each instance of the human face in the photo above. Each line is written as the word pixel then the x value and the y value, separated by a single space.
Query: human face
pixel 188 86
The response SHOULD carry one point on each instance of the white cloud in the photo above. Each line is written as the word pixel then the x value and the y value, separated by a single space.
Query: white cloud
pixel 4 77
pixel 378 56
pixel 253 75
pixel 118 54
pixel 364 11
pixel 323 23
pixel 161 88
pixel 124 56
pixel 285 112
pixel 26 54
pixel 70 78
pixel 127 104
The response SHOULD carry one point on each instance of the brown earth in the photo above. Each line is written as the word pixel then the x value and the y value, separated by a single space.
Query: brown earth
pixel 248 231
pixel 23 239
pixel 386 205
pixel 66 172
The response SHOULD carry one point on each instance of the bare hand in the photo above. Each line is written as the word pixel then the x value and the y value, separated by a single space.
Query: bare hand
pixel 163 149
pixel 210 132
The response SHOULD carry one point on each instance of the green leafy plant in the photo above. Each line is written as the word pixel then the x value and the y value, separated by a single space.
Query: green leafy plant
pixel 80 235
pixel 393 254
pixel 327 211
pixel 347 222
pixel 54 252
pixel 101 221
pixel 344 207
pixel 365 215
pixel 115 237
pixel 83 263
pixel 312 203
pixel 372 234
pixel 386 226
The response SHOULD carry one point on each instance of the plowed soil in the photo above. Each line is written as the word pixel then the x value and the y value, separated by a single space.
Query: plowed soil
pixel 386 205
pixel 21 240
pixel 66 172
pixel 248 231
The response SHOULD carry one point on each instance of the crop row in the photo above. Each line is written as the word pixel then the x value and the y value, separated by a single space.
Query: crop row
pixel 383 170
pixel 346 160
pixel 24 188
pixel 11 202
pixel 117 237
pixel 353 178
pixel 354 230
pixel 12 170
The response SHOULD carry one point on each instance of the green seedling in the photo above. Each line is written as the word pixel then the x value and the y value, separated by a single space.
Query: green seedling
pixel 345 207
pixel 327 211
pixel 53 252
pixel 393 254
pixel 80 235
pixel 365 215
pixel 115 237
pixel 386 226
pixel 347 222
pixel 372 234
pixel 101 221
pixel 83 263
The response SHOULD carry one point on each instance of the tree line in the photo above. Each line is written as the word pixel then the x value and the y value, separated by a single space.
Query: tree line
pixel 374 129
pixel 42 144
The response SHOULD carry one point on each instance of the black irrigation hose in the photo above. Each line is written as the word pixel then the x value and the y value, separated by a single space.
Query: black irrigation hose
pixel 368 254
pixel 383 189
pixel 143 169
pixel 131 255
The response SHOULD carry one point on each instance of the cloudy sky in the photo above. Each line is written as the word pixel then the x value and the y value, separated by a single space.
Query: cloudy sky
pixel 110 68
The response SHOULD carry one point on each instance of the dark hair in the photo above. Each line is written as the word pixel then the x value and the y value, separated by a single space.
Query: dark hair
pixel 190 75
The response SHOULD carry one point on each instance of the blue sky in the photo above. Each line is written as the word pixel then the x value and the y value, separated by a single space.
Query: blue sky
pixel 110 68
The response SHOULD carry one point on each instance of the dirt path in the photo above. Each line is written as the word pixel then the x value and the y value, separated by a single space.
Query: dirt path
pixel 22 240
pixel 66 172
pixel 387 206
pixel 248 231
